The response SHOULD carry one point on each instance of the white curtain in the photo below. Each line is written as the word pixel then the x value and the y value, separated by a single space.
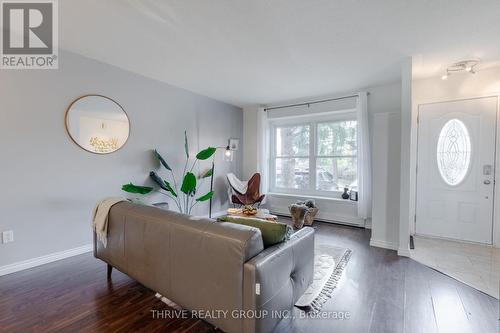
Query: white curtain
pixel 364 160
pixel 263 149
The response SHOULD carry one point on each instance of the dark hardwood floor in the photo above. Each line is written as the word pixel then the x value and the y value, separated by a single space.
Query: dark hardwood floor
pixel 381 291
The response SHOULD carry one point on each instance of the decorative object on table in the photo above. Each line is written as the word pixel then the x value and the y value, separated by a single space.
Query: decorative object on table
pixel 97 124
pixel 183 196
pixel 234 211
pixel 264 214
pixel 345 195
pixel 245 193
pixel 312 210
pixel 261 214
pixel 249 210
pixel 329 265
pixel 272 232
pixel 353 195
pixel 298 213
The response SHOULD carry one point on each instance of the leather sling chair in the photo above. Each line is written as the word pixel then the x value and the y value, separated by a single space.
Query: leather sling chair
pixel 245 193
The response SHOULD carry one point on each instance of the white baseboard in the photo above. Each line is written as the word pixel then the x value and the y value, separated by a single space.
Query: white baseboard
pixel 404 252
pixel 22 265
pixel 383 244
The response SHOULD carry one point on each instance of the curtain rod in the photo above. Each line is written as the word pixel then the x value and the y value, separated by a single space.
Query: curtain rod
pixel 313 102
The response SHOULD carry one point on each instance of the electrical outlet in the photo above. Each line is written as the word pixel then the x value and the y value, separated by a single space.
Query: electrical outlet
pixel 7 236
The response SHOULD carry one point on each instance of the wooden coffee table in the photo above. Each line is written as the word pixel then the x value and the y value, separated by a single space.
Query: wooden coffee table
pixel 262 214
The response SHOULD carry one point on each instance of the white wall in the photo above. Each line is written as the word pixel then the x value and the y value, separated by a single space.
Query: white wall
pixel 50 185
pixel 386 149
pixel 407 179
pixel 382 99
pixel 486 82
pixel 250 153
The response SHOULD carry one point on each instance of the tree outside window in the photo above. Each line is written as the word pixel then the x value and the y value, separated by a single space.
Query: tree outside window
pixel 333 161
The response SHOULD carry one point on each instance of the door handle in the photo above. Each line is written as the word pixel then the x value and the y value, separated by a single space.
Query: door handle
pixel 487 182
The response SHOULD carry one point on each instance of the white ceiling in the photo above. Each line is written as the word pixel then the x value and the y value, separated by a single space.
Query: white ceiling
pixel 248 52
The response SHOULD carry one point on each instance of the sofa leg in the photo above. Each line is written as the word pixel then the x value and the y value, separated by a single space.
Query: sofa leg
pixel 110 270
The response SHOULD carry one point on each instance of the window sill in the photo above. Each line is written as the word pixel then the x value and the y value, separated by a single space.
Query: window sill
pixel 315 197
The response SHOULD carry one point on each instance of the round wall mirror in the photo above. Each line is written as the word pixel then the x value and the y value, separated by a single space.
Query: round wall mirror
pixel 97 124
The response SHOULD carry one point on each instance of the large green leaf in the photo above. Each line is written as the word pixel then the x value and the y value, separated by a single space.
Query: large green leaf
pixel 131 188
pixel 207 173
pixel 170 188
pixel 186 147
pixel 206 196
pixel 206 153
pixel 162 161
pixel 158 180
pixel 189 183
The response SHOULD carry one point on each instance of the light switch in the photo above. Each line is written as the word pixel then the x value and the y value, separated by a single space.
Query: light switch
pixel 7 236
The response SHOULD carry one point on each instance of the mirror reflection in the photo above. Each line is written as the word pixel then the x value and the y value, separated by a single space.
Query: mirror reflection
pixel 97 124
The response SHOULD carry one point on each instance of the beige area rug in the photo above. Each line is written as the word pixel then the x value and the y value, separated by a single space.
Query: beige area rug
pixel 329 264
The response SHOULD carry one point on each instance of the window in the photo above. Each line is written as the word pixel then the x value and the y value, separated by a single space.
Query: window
pixel 336 162
pixel 314 157
pixel 453 152
pixel 292 157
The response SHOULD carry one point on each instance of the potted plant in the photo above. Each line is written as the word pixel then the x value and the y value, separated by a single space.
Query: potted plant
pixel 184 196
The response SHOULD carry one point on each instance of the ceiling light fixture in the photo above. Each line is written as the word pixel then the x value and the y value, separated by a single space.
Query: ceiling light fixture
pixel 461 66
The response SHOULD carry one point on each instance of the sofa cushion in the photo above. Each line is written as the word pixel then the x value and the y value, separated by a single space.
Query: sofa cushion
pixel 272 232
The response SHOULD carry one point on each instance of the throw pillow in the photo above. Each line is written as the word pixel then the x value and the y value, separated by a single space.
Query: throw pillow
pixel 272 232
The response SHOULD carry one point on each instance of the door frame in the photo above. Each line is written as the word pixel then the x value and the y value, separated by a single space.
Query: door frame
pixel 415 111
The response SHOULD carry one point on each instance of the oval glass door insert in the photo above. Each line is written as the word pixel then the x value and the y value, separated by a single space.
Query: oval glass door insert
pixel 453 152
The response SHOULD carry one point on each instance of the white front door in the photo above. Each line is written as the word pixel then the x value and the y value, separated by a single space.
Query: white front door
pixel 456 168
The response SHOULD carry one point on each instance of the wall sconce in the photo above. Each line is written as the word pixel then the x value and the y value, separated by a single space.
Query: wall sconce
pixel 233 144
pixel 228 154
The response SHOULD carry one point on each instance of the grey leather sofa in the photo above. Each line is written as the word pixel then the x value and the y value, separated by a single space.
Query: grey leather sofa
pixel 204 265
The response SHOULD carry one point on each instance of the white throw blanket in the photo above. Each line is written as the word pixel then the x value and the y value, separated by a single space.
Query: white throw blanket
pixel 100 217
pixel 237 185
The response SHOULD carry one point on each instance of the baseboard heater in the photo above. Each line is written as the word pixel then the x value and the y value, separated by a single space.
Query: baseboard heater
pixel 350 224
